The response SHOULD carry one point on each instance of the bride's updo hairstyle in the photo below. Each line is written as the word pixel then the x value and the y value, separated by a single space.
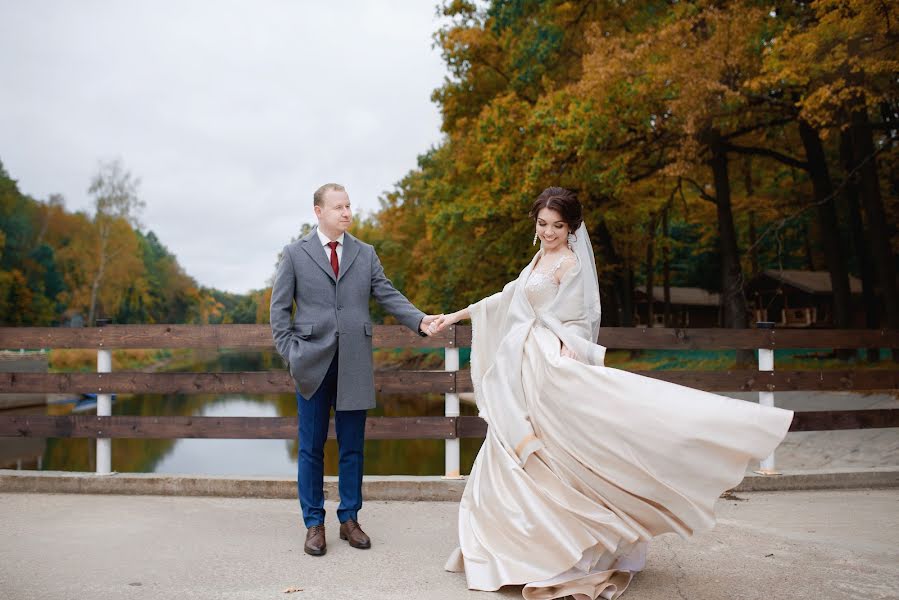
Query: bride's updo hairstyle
pixel 562 201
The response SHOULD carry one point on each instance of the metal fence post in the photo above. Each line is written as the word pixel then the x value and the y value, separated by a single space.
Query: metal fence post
pixel 766 363
pixel 104 407
pixel 451 402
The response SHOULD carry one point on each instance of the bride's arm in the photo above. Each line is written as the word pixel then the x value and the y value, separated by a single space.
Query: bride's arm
pixel 452 318
pixel 493 306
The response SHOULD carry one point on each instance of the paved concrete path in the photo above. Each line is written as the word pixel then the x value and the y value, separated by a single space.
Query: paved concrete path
pixel 817 545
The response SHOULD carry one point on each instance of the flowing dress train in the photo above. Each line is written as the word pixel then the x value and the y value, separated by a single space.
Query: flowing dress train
pixel 583 464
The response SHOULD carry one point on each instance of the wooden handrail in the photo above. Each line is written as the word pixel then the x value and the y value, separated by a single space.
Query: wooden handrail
pixel 826 420
pixel 395 336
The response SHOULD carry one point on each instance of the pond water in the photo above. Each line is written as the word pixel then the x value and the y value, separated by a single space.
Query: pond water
pixel 248 457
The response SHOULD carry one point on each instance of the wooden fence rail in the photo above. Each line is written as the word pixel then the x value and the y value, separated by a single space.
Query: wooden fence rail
pixel 376 428
pixel 392 336
pixel 450 382
pixel 424 382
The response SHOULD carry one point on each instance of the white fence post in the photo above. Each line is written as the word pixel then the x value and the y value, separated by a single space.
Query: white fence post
pixel 451 401
pixel 766 363
pixel 104 409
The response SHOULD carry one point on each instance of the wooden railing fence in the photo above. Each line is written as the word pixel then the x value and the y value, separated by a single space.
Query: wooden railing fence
pixel 449 382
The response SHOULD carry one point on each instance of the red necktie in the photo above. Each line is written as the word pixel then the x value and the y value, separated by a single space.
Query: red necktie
pixel 334 265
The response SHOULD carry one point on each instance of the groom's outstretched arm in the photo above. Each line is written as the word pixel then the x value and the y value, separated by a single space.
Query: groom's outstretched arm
pixel 391 300
pixel 281 305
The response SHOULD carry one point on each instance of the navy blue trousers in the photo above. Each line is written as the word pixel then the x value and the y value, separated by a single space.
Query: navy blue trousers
pixel 314 414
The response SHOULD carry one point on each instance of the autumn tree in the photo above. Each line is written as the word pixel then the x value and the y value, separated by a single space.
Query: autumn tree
pixel 684 128
pixel 835 66
pixel 116 206
pixel 30 282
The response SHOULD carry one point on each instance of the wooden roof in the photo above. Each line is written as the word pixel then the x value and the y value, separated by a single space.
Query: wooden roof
pixel 685 296
pixel 812 282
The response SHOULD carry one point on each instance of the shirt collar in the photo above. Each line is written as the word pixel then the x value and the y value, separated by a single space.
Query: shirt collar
pixel 325 240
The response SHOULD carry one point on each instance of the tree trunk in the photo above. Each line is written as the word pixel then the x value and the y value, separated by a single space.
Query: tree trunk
pixel 103 235
pixel 807 246
pixel 752 232
pixel 650 271
pixel 733 300
pixel 830 231
pixel 827 221
pixel 857 230
pixel 753 249
pixel 753 235
pixel 627 297
pixel 611 303
pixel 619 297
pixel 878 234
pixel 666 268
pixel 95 291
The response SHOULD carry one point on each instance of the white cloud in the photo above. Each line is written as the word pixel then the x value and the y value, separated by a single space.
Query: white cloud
pixel 231 113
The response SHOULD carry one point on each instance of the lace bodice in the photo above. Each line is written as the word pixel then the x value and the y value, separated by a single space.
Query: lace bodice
pixel 541 287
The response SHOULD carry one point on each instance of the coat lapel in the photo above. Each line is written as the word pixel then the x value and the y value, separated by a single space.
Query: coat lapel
pixel 350 252
pixel 317 252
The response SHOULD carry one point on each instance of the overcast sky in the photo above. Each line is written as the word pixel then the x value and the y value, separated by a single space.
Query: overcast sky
pixel 231 113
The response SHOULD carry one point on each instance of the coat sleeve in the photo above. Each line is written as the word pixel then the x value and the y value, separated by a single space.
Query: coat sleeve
pixel 390 299
pixel 283 291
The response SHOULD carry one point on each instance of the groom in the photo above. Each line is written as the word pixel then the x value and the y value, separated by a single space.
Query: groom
pixel 331 275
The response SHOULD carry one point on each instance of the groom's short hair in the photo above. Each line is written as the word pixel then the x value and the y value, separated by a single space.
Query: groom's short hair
pixel 318 198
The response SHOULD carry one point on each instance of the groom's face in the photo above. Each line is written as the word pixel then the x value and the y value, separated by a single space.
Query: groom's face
pixel 334 215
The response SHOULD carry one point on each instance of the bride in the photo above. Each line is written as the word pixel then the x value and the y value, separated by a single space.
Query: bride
pixel 583 464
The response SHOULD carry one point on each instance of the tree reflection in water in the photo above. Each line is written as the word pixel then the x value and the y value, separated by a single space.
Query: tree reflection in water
pixel 223 457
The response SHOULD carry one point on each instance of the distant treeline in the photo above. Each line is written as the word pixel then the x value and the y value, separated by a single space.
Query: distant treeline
pixel 63 268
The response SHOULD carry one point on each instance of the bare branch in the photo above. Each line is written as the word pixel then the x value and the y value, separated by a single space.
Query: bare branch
pixel 699 189
pixel 787 160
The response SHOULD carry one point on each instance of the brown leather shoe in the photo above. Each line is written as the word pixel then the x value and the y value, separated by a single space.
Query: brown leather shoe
pixel 351 532
pixel 315 541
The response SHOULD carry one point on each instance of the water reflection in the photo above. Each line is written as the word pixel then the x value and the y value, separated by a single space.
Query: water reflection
pixel 252 457
pixel 230 457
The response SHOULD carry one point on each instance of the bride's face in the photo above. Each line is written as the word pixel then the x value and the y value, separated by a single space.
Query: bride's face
pixel 551 229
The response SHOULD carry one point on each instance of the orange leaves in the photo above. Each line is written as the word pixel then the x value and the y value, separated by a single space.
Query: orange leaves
pixel 842 51
pixel 620 101
pixel 15 298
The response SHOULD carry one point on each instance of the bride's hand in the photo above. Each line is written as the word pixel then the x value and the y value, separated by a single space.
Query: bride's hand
pixel 568 352
pixel 446 320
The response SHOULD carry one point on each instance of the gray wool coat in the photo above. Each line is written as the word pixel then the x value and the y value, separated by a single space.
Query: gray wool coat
pixel 333 313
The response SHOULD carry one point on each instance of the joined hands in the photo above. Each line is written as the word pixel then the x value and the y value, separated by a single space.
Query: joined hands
pixel 434 324
pixel 445 321
pixel 429 324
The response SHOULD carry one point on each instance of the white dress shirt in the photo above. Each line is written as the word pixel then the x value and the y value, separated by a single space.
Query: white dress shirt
pixel 325 240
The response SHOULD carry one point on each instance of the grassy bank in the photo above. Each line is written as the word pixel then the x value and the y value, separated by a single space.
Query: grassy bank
pixel 68 360
pixel 723 360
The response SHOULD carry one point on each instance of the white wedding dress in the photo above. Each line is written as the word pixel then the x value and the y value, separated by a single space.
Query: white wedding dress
pixel 583 464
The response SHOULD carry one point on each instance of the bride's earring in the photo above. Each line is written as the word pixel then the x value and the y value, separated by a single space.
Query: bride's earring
pixel 571 240
pixel 535 239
